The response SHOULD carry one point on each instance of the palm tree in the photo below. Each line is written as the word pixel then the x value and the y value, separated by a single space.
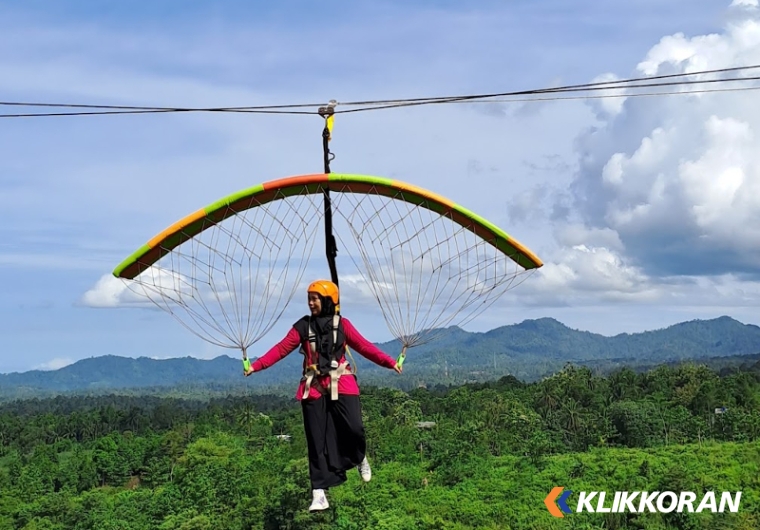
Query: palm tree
pixel 547 399
pixel 246 417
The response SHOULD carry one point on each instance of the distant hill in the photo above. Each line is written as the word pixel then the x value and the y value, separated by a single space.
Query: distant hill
pixel 110 371
pixel 550 338
pixel 528 350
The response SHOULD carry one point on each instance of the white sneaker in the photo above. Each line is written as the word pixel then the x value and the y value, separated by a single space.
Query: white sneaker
pixel 364 470
pixel 319 501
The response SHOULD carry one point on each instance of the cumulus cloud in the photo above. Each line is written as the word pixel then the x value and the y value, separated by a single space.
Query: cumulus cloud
pixel 664 203
pixel 752 4
pixel 538 202
pixel 356 291
pixel 581 274
pixel 675 180
pixel 607 107
pixel 107 292
pixel 525 206
pixel 575 235
pixel 54 364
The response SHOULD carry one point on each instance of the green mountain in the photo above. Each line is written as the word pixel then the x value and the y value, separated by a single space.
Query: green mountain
pixel 535 348
pixel 549 338
pixel 528 350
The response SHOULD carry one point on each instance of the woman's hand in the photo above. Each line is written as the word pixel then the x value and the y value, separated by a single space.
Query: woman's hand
pixel 398 368
pixel 248 372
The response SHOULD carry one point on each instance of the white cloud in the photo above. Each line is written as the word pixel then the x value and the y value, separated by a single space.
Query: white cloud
pixel 576 235
pixel 110 292
pixel 582 275
pixel 54 364
pixel 608 107
pixel 526 206
pixel 745 3
pixel 585 277
pixel 677 178
pixel 356 291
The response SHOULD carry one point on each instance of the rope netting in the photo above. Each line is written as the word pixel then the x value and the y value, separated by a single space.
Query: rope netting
pixel 231 281
pixel 425 270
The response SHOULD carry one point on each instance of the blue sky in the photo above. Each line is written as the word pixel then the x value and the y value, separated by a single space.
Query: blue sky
pixel 631 204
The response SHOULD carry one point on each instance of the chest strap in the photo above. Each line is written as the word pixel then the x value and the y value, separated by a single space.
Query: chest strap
pixel 313 336
pixel 337 371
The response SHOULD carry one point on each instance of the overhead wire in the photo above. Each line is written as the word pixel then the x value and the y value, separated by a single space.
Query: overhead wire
pixel 362 106
pixel 597 86
pixel 564 88
pixel 130 107
pixel 602 84
pixel 482 99
pixel 157 111
pixel 606 96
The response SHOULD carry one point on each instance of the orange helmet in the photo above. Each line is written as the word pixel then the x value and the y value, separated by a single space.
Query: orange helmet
pixel 325 288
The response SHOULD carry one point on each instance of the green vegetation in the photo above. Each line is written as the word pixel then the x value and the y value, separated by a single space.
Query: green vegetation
pixel 494 452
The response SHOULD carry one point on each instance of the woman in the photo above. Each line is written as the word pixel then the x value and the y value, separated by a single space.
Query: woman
pixel 328 391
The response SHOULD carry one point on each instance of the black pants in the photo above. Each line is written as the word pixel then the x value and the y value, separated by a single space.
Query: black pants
pixel 335 437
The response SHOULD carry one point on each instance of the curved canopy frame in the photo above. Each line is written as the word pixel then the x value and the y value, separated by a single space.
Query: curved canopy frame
pixel 202 219
pixel 228 271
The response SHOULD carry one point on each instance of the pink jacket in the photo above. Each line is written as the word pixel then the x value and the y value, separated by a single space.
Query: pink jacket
pixel 346 384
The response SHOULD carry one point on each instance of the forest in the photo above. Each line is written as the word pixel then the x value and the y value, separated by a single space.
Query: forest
pixel 475 456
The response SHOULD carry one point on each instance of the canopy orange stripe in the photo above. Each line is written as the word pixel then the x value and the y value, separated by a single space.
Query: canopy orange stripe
pixel 204 218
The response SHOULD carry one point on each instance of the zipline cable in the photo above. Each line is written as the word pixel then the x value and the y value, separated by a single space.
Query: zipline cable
pixel 622 84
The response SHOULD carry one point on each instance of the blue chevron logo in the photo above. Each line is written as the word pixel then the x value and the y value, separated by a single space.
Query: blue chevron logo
pixel 556 503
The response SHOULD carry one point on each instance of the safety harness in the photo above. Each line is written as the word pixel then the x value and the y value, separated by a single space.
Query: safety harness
pixel 312 370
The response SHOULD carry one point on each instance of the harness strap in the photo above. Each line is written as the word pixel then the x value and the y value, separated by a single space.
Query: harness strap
pixel 313 336
pixel 312 370
pixel 335 375
pixel 309 377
